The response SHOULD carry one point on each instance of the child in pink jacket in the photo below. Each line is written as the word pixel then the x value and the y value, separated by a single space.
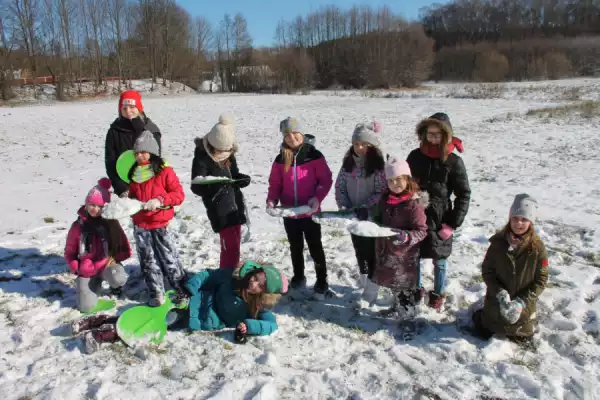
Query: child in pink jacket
pixel 95 247
pixel 300 176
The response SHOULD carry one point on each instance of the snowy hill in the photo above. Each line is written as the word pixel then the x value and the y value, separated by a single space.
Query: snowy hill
pixel 53 154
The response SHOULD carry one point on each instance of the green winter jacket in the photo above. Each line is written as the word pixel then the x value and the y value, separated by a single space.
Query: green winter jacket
pixel 522 274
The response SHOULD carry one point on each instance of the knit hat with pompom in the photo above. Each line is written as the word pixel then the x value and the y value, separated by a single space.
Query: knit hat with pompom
pixel 368 133
pixel 99 195
pixel 222 135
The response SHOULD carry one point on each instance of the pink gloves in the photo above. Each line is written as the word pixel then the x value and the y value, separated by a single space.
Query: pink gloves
pixel 446 232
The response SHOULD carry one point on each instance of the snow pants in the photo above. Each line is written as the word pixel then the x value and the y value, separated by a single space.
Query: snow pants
pixel 231 238
pixel 158 259
pixel 88 288
pixel 297 230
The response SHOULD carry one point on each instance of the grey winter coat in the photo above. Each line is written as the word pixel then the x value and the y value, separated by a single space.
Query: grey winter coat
pixel 356 190
pixel 396 264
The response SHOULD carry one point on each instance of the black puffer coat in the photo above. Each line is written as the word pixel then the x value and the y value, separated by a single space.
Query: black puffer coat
pixel 120 137
pixel 441 179
pixel 224 202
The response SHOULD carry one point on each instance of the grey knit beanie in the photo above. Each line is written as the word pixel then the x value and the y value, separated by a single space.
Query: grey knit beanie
pixel 368 133
pixel 290 125
pixel 524 206
pixel 222 135
pixel 146 143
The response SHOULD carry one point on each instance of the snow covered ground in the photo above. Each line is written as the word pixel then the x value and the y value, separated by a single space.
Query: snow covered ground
pixel 53 154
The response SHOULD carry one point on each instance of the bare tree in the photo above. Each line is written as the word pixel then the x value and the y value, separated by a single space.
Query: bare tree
pixel 6 67
pixel 116 10
pixel 26 24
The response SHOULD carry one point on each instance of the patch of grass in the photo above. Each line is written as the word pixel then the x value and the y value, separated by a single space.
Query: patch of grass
pixel 476 279
pixel 356 328
pixel 166 372
pixel 188 218
pixel 49 220
pixel 463 304
pixel 586 109
pixel 337 234
pixel 283 240
pixel 12 321
pixel 228 346
pixel 529 364
pixel 157 349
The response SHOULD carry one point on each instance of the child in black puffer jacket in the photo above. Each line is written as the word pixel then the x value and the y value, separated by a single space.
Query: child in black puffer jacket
pixel 224 202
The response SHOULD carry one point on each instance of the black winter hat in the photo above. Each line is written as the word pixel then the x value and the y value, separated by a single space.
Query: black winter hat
pixel 442 117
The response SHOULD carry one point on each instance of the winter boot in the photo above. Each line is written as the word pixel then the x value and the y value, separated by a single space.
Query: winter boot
pixel 239 337
pixel 436 301
pixel 362 281
pixel 117 292
pixel 320 289
pixel 369 295
pixel 90 322
pixel 419 293
pixel 92 340
pixel 298 282
pixel 180 298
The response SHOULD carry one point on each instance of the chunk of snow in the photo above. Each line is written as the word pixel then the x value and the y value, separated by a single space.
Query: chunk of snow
pixel 369 229
pixel 121 207
pixel 288 212
pixel 204 179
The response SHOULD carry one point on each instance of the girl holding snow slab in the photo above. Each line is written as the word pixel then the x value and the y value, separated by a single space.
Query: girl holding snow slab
pixel 401 208
pixel 515 271
pixel 359 186
pixel 123 133
pixel 300 176
pixel 156 184
pixel 214 160
pixel 95 247
pixel 442 174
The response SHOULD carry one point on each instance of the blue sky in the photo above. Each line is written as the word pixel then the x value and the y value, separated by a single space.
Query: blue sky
pixel 263 15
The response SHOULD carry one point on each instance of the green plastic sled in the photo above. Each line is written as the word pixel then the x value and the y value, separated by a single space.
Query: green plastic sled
pixel 124 163
pixel 146 323
pixel 102 305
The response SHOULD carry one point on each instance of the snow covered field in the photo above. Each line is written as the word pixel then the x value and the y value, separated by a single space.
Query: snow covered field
pixel 53 154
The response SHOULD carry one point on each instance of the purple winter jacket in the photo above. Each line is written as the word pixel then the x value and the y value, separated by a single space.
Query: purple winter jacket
pixel 396 264
pixel 309 176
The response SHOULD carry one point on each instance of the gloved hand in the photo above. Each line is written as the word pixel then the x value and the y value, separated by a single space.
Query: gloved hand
pixel 138 124
pixel 401 237
pixel 270 204
pixel 446 232
pixel 152 205
pixel 512 313
pixel 362 213
pixel 74 266
pixel 314 204
pixel 124 195
pixel 503 298
pixel 86 268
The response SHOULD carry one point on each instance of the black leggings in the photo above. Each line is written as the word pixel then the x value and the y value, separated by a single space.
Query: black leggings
pixel 364 248
pixel 297 231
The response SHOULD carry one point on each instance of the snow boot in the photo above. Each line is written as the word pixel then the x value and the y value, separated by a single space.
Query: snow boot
pixel 419 293
pixel 90 322
pixel 320 289
pixel 298 282
pixel 436 301
pixel 92 340
pixel 369 295
pixel 362 281
pixel 157 300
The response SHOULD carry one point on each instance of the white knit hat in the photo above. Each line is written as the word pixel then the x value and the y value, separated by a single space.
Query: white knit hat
pixel 222 135
pixel 524 206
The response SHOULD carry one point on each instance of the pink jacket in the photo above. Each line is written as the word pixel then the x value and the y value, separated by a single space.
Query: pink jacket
pixel 92 263
pixel 309 176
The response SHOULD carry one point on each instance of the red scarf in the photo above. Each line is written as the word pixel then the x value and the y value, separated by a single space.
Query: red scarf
pixel 435 152
pixel 395 199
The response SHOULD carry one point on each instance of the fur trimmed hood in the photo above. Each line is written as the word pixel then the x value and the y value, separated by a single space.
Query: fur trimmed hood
pixel 422 198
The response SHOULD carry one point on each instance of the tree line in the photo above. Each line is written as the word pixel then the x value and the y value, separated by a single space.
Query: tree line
pixel 359 47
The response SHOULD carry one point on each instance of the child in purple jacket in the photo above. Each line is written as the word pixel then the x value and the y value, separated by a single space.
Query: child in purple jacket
pixel 300 176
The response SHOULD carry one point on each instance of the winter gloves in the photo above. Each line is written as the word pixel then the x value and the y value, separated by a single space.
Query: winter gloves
pixel 314 204
pixel 510 310
pixel 152 205
pixel 446 232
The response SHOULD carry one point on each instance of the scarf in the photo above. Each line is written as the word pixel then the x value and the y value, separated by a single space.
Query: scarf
pixel 92 228
pixel 395 199
pixel 514 242
pixel 218 158
pixel 142 173
pixel 433 151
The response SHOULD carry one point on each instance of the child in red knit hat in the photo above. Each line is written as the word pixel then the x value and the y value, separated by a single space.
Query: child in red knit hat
pixel 123 133
pixel 95 247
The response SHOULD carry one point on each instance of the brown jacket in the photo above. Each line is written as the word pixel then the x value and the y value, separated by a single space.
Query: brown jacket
pixel 522 274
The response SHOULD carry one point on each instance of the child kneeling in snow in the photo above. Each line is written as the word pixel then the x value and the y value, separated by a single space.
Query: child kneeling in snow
pixel 156 184
pixel 221 299
pixel 95 247
pixel 515 270
pixel 401 208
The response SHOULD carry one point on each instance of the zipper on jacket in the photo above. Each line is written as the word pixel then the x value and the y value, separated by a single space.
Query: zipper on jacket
pixel 295 181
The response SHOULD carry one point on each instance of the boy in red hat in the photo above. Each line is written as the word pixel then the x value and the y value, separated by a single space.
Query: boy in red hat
pixel 123 133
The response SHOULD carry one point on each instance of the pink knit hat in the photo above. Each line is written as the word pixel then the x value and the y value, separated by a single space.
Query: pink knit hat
pixel 99 194
pixel 395 167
